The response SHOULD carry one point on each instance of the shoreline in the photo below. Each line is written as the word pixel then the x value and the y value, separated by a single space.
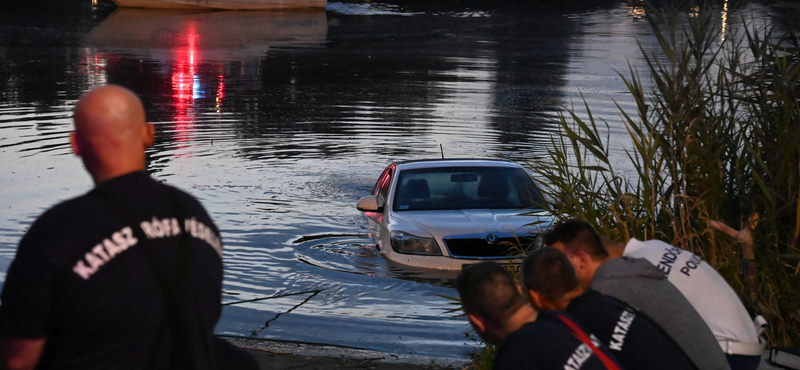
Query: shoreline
pixel 280 355
pixel 274 354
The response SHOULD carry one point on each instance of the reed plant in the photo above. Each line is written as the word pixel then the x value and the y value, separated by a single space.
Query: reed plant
pixel 483 358
pixel 715 140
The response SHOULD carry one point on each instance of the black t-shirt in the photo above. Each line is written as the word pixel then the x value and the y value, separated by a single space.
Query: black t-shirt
pixel 548 343
pixel 81 279
pixel 632 336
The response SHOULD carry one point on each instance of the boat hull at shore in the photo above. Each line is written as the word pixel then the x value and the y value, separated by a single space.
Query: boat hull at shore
pixel 223 4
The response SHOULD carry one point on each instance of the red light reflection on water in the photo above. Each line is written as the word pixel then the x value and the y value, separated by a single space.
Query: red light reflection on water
pixel 220 92
pixel 184 73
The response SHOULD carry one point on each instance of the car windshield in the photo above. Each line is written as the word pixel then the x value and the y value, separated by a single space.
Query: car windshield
pixel 447 188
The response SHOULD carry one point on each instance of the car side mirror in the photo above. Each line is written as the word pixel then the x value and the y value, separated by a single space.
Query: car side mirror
pixel 369 204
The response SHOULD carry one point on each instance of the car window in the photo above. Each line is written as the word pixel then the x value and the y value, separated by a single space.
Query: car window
pixel 381 188
pixel 465 188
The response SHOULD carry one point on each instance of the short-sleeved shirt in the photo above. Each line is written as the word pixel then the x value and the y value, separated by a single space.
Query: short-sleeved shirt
pixel 548 343
pixel 706 290
pixel 81 279
pixel 631 336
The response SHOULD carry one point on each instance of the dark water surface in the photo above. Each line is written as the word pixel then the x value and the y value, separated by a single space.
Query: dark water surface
pixel 279 121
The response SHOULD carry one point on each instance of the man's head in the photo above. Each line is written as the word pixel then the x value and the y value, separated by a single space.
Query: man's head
pixel 583 246
pixel 490 298
pixel 111 132
pixel 549 279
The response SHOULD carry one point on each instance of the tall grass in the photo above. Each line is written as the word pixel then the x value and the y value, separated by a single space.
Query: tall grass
pixel 715 137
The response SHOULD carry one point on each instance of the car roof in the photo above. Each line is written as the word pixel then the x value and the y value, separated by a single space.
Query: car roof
pixel 455 162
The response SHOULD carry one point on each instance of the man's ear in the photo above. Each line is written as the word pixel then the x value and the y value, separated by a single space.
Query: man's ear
pixel 584 266
pixel 536 299
pixel 73 142
pixel 477 322
pixel 583 259
pixel 488 331
pixel 149 134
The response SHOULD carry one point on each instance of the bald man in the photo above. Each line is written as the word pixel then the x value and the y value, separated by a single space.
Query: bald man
pixel 127 276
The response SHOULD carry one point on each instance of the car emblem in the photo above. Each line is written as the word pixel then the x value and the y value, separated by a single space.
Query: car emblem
pixel 491 238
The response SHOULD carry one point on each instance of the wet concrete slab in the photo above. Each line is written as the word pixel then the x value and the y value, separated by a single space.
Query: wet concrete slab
pixel 284 355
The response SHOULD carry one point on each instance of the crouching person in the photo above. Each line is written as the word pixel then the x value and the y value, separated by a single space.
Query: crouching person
pixel 640 284
pixel 527 339
pixel 633 337
pixel 709 293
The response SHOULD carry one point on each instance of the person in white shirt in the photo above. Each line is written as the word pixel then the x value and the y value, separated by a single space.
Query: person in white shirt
pixel 709 294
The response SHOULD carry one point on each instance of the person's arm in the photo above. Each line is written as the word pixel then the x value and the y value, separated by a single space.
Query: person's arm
pixel 19 353
pixel 27 297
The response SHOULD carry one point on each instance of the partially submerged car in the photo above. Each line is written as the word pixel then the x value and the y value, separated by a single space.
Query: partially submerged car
pixel 447 213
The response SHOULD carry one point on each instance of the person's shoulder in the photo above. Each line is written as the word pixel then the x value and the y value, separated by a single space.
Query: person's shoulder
pixel 639 248
pixel 533 334
pixel 64 212
pixel 628 267
pixel 530 345
pixel 549 324
pixel 58 222
pixel 192 204
pixel 550 342
pixel 650 243
pixel 183 194
pixel 508 359
pixel 173 190
pixel 604 299
pixel 591 299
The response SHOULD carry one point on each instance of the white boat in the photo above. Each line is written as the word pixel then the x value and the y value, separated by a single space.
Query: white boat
pixel 223 4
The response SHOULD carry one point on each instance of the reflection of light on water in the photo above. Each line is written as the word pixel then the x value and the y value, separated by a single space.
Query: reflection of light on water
pixel 195 87
pixel 220 94
pixel 188 84
pixel 185 84
pixel 93 66
pixel 365 9
pixel 461 112
pixel 637 12
pixel 724 20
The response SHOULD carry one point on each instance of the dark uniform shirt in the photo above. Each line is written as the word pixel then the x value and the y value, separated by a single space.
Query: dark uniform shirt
pixel 81 279
pixel 632 336
pixel 548 343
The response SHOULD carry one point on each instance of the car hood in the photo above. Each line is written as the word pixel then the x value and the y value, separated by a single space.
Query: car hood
pixel 470 221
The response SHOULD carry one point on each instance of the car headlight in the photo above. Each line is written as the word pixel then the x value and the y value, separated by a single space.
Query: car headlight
pixel 409 244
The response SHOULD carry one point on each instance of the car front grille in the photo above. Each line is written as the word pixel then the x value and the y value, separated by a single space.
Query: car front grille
pixel 480 248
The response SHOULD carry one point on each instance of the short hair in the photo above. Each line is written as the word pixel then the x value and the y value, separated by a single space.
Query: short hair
pixel 486 289
pixel 548 271
pixel 577 235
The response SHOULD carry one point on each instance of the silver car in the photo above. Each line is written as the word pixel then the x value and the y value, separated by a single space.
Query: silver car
pixel 447 213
